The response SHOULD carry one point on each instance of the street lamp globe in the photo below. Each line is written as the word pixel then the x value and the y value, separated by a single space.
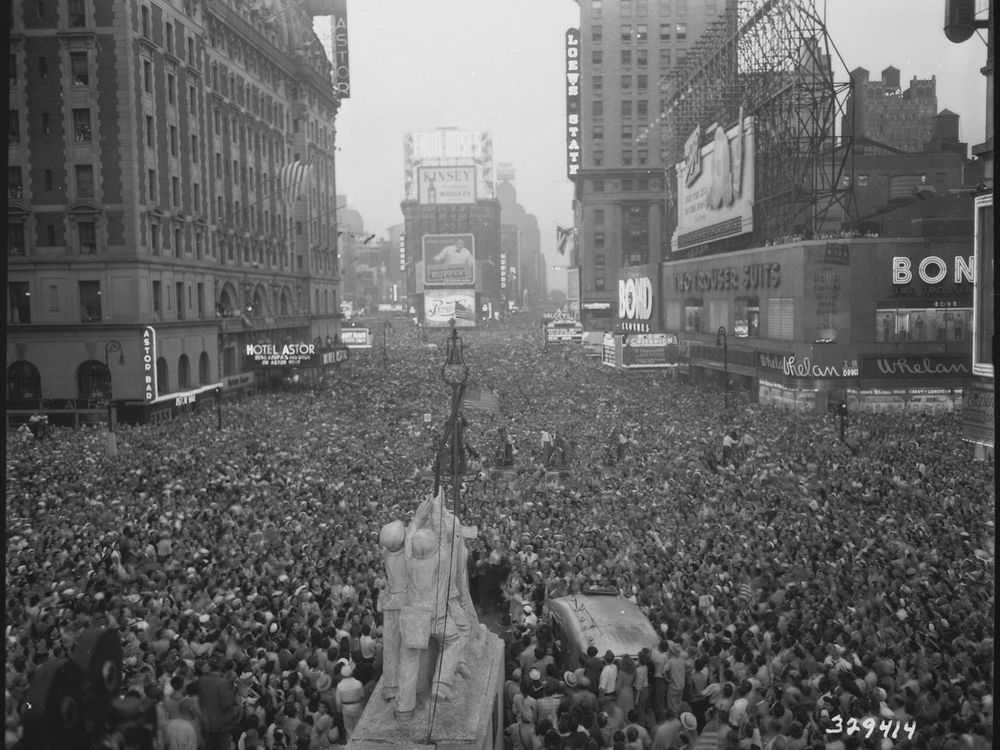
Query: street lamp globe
pixel 454 371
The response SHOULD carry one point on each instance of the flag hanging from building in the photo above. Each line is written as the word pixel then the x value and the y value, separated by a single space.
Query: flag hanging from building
pixel 291 177
pixel 565 240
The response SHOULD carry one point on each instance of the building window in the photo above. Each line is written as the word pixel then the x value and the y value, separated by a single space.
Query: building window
pixel 179 298
pixel 171 88
pixel 598 157
pixel 173 140
pixel 23 381
pixel 201 300
pixel 595 8
pixel 665 6
pixel 14 127
pixel 599 260
pixel 144 21
pixel 192 102
pixel 665 29
pixel 718 314
pixel 682 29
pixel 154 238
pixel 162 375
pixel 626 132
pixel 598 283
pixel 81 126
pixel 90 301
pixel 642 159
pixel 87 235
pixel 781 318
pixel 157 300
pixel 84 181
pixel 694 310
pixel 894 324
pixel 642 82
pixel 14 188
pixel 626 8
pixel 599 216
pixel 642 108
pixel 682 7
pixel 626 107
pixel 599 240
pixel 20 302
pixel 642 8
pixel 598 133
pixel 642 58
pixel 191 54
pixel 665 58
pixel 46 126
pixel 169 28
pixel 150 132
pixel 175 190
pixel 15 239
pixel 79 68
pixel 77 13
pixel 626 57
pixel 147 76
pixel 626 82
pixel 596 34
pixel 746 322
pixel 596 57
pixel 151 187
pixel 183 372
pixel 626 33
pixel 641 33
pixel 597 84
pixel 597 108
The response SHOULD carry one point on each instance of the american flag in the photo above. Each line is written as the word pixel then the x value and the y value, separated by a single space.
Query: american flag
pixel 484 399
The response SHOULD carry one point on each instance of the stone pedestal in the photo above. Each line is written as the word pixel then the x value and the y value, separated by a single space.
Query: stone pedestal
pixel 474 721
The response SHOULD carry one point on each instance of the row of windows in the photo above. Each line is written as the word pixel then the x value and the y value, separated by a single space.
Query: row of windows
pixel 639 33
pixel 94 379
pixel 641 110
pixel 79 67
pixel 80 125
pixel 76 12
pixel 641 158
pixel 628 185
pixel 641 57
pixel 641 8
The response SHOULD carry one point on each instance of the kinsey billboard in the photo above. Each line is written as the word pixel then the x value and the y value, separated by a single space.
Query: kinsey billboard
pixel 447 148
pixel 449 260
pixel 439 185
pixel 443 306
pixel 715 187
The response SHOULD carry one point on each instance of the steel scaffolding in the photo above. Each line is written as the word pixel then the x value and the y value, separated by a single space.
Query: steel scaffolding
pixel 772 58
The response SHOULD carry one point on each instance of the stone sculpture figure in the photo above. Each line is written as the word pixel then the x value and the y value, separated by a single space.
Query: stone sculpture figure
pixel 392 539
pixel 438 603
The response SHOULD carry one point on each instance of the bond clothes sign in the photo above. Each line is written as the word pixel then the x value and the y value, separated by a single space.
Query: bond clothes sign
pixel 572 103
pixel 149 363
pixel 716 202
pixel 449 260
pixel 637 312
pixel 280 355
pixel 438 185
pixel 635 303
pixel 441 307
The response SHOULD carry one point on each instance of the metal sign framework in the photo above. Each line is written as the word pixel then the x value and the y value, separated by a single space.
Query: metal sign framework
pixel 772 58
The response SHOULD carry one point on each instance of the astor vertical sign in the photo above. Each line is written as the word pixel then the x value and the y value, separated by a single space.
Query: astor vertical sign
pixel 341 61
pixel 572 102
pixel 149 363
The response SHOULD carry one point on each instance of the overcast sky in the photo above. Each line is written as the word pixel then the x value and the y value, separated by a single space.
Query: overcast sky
pixel 498 65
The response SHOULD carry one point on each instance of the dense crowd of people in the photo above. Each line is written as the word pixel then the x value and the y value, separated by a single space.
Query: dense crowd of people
pixel 796 585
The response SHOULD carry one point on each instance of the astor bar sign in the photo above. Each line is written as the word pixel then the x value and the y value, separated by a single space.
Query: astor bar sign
pixel 149 363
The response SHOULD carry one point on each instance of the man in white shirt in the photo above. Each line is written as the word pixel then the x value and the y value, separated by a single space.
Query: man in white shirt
pixel 609 679
pixel 455 254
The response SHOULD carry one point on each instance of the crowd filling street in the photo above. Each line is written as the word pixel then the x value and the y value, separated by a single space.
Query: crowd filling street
pixel 806 595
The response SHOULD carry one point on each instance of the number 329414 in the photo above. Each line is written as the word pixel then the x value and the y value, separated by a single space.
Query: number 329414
pixel 888 728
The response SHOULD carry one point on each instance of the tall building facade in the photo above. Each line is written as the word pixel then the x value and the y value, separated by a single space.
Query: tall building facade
pixel 625 48
pixel 883 111
pixel 171 201
pixel 521 254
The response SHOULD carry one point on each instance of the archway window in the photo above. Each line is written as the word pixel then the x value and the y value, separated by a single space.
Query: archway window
pixel 203 368
pixel 23 381
pixel 162 376
pixel 183 372
pixel 93 380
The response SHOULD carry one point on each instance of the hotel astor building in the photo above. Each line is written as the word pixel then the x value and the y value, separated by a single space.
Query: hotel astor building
pixel 171 201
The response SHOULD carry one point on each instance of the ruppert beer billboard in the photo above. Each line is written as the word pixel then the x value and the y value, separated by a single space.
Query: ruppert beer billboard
pixel 449 260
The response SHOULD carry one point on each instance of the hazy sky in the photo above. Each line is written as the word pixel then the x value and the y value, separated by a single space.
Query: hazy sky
pixel 498 65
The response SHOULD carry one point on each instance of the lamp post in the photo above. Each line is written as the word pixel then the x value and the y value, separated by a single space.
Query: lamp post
pixel 218 406
pixel 385 353
pixel 455 373
pixel 720 340
pixel 112 346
